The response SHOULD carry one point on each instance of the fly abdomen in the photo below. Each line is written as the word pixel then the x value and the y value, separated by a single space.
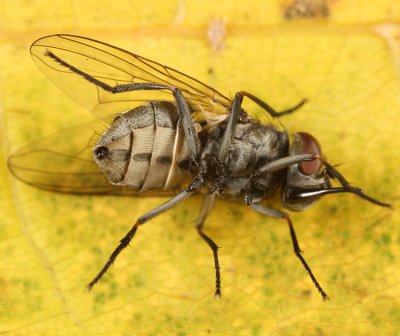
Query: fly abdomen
pixel 144 148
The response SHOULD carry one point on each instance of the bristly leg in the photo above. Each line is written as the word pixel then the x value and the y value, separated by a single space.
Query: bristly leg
pixel 196 184
pixel 214 249
pixel 279 214
pixel 268 108
pixel 183 106
pixel 298 253
pixel 346 185
pixel 206 207
pixel 124 242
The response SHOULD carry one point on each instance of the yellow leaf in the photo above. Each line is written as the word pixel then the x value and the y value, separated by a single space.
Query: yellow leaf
pixel 342 56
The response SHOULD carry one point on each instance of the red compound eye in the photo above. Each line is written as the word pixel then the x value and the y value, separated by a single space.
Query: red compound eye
pixel 310 146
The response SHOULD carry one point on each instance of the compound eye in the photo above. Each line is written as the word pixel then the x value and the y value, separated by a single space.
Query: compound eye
pixel 310 146
pixel 101 152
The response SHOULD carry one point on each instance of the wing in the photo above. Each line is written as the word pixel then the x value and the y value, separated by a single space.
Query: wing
pixel 63 162
pixel 114 66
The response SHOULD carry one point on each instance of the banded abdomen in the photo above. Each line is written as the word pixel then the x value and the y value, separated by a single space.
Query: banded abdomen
pixel 145 149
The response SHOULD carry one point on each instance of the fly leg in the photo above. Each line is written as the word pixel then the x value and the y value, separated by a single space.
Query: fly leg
pixel 183 107
pixel 310 194
pixel 196 184
pixel 255 195
pixel 268 108
pixel 230 127
pixel 217 184
pixel 285 162
pixel 279 214
pixel 205 210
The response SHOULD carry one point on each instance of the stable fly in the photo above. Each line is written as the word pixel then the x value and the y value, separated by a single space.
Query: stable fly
pixel 169 134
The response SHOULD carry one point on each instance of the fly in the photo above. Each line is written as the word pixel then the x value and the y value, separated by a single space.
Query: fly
pixel 171 134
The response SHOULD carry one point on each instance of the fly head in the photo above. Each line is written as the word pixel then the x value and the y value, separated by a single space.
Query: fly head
pixel 309 180
pixel 306 179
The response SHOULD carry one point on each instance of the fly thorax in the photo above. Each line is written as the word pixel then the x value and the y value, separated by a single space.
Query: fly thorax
pixel 242 158
pixel 254 145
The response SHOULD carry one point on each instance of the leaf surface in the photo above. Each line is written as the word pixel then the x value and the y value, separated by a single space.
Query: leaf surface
pixel 342 56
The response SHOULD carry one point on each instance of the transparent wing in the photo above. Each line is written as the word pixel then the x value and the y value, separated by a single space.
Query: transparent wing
pixel 114 66
pixel 63 162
